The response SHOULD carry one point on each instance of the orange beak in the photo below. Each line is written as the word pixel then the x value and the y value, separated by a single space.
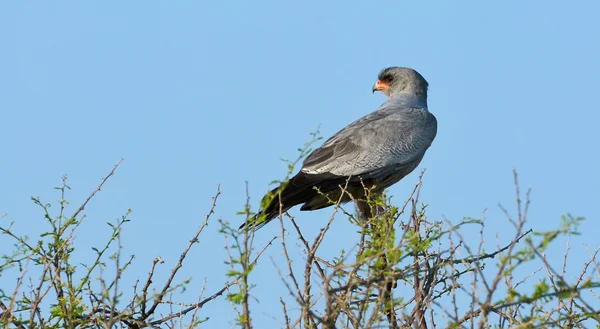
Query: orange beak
pixel 380 85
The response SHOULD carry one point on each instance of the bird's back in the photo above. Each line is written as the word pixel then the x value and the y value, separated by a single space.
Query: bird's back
pixel 398 132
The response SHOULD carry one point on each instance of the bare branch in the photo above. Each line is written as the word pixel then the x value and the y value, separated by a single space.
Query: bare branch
pixel 112 172
pixel 167 285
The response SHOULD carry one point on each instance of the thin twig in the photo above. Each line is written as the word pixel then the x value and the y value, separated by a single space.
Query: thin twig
pixel 167 285
pixel 112 172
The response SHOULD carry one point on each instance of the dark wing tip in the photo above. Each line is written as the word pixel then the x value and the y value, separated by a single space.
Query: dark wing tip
pixel 252 225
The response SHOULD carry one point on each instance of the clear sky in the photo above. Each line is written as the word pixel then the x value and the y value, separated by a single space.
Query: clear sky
pixel 198 93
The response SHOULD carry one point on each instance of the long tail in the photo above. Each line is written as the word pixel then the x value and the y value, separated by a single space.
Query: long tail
pixel 271 202
pixel 297 190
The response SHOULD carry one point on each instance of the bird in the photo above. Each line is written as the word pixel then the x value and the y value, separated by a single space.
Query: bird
pixel 374 152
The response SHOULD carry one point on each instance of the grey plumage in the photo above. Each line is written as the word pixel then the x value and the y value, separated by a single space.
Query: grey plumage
pixel 377 150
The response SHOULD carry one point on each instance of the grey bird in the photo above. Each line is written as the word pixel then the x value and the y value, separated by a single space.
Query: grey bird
pixel 375 151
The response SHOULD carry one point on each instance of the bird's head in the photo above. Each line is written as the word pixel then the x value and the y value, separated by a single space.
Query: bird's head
pixel 396 79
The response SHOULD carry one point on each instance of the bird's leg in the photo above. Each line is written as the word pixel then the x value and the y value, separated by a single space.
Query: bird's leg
pixel 363 209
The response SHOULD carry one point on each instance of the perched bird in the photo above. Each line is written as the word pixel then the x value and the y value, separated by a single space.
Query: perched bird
pixel 375 151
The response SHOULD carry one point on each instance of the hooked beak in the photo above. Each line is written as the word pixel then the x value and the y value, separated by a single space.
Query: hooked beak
pixel 380 85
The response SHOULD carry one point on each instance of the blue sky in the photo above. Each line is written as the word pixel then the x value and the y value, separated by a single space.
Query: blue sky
pixel 198 93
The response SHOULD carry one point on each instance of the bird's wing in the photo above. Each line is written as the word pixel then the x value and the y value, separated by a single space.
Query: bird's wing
pixel 385 138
